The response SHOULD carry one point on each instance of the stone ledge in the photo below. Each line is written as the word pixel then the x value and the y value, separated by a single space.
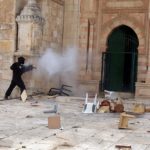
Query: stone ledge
pixel 90 86
pixel 142 90
pixel 6 26
pixel 24 53
pixel 60 2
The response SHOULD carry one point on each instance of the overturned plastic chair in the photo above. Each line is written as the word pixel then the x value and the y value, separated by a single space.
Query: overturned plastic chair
pixel 111 95
pixel 90 107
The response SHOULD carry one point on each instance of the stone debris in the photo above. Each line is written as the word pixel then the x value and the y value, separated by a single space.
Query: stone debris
pixel 54 122
pixel 147 109
pixel 139 108
pixel 119 108
pixel 123 122
pixel 63 146
pixel 123 147
pixel 54 110
pixel 5 144
pixel 29 116
pixel 111 106
pixel 96 131
pixel 104 109
pixel 23 146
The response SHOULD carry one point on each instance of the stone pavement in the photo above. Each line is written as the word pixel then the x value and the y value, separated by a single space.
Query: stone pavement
pixel 25 126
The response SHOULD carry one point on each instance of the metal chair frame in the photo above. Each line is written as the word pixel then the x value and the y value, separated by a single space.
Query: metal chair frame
pixel 60 91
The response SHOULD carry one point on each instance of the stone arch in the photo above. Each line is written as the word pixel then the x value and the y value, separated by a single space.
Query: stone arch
pixel 123 20
pixel 121 60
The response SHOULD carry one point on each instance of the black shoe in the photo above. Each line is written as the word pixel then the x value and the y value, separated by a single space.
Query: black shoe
pixel 6 97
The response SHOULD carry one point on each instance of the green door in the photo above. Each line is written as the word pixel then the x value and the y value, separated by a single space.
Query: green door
pixel 120 60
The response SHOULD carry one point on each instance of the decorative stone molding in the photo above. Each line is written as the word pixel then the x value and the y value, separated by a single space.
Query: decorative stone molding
pixel 30 28
pixel 124 20
pixel 142 90
pixel 30 13
pixel 60 2
pixel 124 4
pixel 5 26
pixel 92 21
pixel 90 43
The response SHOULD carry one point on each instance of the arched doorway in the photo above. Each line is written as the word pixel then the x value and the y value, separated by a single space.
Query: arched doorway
pixel 120 60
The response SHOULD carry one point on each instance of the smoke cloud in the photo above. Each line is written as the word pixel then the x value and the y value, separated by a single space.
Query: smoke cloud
pixel 54 63
pixel 57 68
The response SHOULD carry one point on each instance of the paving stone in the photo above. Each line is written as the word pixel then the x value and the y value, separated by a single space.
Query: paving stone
pixel 24 126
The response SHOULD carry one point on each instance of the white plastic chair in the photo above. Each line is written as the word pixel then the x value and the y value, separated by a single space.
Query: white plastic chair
pixel 111 95
pixel 90 107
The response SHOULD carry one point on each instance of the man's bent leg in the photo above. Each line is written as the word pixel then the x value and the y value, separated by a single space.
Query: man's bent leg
pixel 10 89
pixel 21 85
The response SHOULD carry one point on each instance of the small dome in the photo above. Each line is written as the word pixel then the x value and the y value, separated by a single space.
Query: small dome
pixel 31 9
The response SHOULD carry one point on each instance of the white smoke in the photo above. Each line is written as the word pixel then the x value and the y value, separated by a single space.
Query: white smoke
pixel 58 67
pixel 49 62
pixel 55 63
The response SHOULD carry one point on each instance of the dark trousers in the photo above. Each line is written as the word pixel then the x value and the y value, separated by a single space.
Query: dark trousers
pixel 13 84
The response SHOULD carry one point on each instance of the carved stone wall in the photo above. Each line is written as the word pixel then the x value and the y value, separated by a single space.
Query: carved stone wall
pixel 133 14
pixel 109 15
pixel 13 42
pixel 30 29
pixel 87 44
pixel 71 23
pixel 53 12
pixel 130 13
pixel 7 41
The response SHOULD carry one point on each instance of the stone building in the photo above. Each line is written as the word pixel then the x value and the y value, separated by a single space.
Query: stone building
pixel 111 36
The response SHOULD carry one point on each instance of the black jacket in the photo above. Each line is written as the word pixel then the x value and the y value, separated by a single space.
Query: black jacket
pixel 18 69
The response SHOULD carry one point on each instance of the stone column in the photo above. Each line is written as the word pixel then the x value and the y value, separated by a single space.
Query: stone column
pixel 90 45
pixel 30 31
pixel 148 48
pixel 143 87
pixel 30 26
pixel 148 65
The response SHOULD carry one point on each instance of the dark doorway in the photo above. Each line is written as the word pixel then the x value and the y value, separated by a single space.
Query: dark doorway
pixel 120 60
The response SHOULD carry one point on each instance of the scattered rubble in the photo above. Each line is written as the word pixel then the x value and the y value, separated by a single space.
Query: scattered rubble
pixel 54 110
pixel 139 108
pixel 54 122
pixel 123 147
pixel 123 122
pixel 80 129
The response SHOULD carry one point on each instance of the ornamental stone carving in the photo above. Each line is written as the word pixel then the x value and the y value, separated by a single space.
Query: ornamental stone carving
pixel 30 13
pixel 30 27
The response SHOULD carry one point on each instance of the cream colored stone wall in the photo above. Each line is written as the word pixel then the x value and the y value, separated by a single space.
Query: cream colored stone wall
pixel 85 24
pixel 107 16
pixel 71 23
pixel 130 13
pixel 133 14
pixel 88 21
pixel 89 60
pixel 127 4
pixel 7 41
pixel 53 13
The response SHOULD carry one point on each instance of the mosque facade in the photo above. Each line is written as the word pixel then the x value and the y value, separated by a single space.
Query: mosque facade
pixel 112 38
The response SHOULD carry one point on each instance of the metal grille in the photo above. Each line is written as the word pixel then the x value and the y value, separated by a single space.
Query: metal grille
pixel 119 71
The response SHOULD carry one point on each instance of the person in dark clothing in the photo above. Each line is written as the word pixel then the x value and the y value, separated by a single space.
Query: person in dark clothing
pixel 18 69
